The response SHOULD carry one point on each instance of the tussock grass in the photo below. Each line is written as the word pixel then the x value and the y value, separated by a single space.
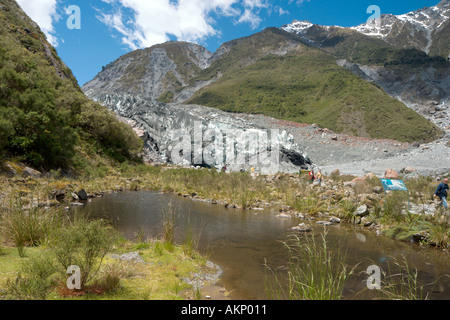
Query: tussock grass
pixel 30 227
pixel 399 281
pixel 314 272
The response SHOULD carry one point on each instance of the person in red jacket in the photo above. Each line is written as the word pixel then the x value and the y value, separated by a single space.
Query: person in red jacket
pixel 311 176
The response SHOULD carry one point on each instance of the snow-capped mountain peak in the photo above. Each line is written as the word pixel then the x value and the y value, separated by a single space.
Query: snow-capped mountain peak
pixel 418 29
pixel 298 26
pixel 426 29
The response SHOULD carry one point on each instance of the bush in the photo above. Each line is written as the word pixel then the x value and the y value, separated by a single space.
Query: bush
pixel 83 244
pixel 115 138
pixel 34 282
pixel 394 204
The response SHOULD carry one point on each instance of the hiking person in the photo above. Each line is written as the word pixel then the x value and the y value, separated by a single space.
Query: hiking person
pixel 311 176
pixel 319 177
pixel 441 192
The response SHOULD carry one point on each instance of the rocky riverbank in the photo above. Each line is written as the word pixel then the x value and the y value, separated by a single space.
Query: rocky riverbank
pixel 339 198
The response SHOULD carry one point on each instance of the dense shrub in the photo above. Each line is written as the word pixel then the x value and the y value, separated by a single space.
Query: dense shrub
pixel 44 116
pixel 83 244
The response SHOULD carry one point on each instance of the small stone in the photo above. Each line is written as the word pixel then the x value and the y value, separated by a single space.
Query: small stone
pixel 335 220
pixel 377 189
pixel 283 216
pixel 302 227
pixel 324 223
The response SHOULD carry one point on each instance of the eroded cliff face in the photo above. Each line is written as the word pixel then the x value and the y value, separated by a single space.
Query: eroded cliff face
pixel 195 135
pixel 425 90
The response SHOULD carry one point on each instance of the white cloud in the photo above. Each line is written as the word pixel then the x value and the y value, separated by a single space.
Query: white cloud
pixel 43 12
pixel 299 2
pixel 251 18
pixel 280 10
pixel 152 22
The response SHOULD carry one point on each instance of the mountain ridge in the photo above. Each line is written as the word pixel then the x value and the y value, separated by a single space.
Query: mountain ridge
pixel 425 29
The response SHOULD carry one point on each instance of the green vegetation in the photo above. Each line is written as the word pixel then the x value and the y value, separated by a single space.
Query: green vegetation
pixel 399 281
pixel 314 272
pixel 307 86
pixel 45 119
pixel 84 244
pixel 359 48
pixel 30 232
pixel 41 272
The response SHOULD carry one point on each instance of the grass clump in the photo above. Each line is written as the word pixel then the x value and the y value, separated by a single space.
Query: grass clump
pixel 400 282
pixel 27 227
pixel 314 272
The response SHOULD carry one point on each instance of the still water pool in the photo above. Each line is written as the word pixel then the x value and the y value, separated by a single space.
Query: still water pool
pixel 242 241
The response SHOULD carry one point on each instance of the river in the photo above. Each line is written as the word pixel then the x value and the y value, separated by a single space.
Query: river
pixel 242 241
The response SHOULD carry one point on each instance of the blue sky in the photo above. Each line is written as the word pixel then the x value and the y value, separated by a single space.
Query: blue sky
pixel 111 28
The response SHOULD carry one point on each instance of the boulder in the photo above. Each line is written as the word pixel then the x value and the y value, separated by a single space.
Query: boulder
pixel 357 180
pixel 299 215
pixel 335 220
pixel 407 170
pixel 335 172
pixel 390 174
pixel 283 216
pixel 370 176
pixel 131 256
pixel 324 223
pixel 12 169
pixel 82 195
pixel 362 211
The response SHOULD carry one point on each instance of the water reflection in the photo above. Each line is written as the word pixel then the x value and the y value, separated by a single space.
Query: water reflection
pixel 241 241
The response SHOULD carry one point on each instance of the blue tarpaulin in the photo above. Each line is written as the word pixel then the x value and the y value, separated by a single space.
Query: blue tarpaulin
pixel 396 185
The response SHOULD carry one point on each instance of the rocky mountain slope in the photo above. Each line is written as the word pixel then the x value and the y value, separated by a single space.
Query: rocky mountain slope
pixel 426 29
pixel 273 73
pixel 165 68
pixel 399 67
pixel 338 78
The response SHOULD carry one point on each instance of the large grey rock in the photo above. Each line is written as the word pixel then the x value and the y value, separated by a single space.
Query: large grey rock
pixel 18 169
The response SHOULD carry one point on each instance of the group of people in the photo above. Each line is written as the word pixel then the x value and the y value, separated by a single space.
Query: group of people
pixel 318 176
